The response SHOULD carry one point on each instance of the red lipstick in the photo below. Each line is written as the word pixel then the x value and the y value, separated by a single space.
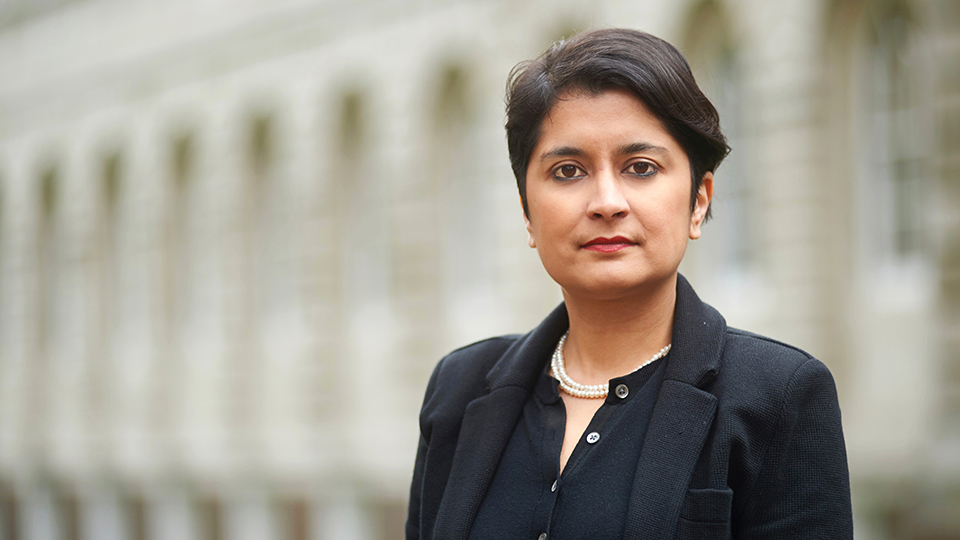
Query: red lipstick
pixel 608 245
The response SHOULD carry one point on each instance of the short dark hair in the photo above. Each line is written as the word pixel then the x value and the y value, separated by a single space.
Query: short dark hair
pixel 599 60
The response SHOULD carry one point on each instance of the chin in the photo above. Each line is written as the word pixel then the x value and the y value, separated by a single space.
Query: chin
pixel 614 286
pixel 608 287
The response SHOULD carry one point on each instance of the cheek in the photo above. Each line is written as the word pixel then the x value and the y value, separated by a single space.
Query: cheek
pixel 551 217
pixel 670 221
pixel 665 203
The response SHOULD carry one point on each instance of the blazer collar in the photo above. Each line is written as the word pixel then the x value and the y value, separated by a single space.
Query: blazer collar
pixel 521 364
pixel 698 332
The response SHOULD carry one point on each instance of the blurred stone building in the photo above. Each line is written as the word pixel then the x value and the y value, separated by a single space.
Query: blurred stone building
pixel 236 235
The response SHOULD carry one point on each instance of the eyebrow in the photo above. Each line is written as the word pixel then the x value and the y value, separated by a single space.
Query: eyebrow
pixel 563 151
pixel 631 148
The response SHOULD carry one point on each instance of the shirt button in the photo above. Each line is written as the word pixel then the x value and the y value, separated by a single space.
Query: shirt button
pixel 593 437
pixel 554 486
pixel 622 391
pixel 543 536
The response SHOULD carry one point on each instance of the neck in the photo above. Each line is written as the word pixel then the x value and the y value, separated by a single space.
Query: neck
pixel 611 337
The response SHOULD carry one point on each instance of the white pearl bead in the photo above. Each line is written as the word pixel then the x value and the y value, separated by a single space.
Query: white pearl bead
pixel 589 391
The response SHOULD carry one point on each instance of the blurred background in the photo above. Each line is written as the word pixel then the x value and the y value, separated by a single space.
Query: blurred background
pixel 236 236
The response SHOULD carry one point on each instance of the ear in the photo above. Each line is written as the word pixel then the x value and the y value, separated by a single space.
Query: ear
pixel 526 221
pixel 704 195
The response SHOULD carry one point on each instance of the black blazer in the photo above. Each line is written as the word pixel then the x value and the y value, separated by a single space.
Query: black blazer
pixel 744 441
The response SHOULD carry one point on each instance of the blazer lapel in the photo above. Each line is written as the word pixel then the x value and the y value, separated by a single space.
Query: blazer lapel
pixel 488 424
pixel 681 420
pixel 680 423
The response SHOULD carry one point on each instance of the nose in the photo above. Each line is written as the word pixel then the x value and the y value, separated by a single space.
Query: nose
pixel 608 201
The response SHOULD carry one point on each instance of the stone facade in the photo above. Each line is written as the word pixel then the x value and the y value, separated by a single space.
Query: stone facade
pixel 235 237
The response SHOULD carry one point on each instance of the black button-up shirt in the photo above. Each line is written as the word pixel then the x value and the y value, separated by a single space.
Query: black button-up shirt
pixel 528 497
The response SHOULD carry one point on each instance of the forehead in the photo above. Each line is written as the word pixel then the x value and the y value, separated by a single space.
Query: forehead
pixel 617 113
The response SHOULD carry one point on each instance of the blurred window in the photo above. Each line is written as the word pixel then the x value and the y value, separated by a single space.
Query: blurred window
pixel 272 257
pixel 257 223
pixel 9 514
pixel 210 518
pixel 111 171
pixel 294 519
pixel 362 219
pixel 390 516
pixel 468 257
pixel 717 66
pixel 346 169
pixel 136 517
pixel 176 241
pixel 3 243
pixel 894 142
pixel 68 515
pixel 47 257
pixel 343 171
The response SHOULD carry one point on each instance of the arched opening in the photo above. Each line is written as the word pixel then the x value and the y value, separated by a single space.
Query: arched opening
pixel 257 203
pixel 105 280
pixel 111 172
pixel 176 235
pixel 37 397
pixel 256 295
pixel 360 212
pixel 177 280
pixel 894 131
pixel 46 249
pixel 729 246
pixel 467 256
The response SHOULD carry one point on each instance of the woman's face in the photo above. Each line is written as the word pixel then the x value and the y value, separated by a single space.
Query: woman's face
pixel 608 190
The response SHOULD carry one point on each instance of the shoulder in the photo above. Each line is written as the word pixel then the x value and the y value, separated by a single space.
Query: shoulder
pixel 767 376
pixel 472 362
pixel 759 357
pixel 781 430
pixel 459 377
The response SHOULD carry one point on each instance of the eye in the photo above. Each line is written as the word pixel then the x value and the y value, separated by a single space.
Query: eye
pixel 568 172
pixel 642 168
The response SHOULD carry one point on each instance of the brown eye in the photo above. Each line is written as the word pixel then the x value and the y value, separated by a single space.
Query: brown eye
pixel 642 168
pixel 568 172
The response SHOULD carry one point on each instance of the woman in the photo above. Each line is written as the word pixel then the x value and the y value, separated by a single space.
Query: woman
pixel 632 410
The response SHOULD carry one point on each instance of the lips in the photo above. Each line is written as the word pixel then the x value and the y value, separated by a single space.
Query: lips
pixel 608 245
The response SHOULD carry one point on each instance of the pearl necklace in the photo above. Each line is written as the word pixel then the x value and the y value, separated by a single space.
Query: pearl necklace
pixel 589 391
